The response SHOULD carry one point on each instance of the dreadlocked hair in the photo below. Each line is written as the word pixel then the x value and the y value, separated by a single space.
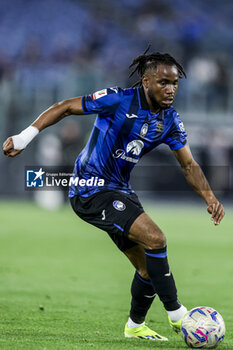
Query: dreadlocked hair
pixel 144 62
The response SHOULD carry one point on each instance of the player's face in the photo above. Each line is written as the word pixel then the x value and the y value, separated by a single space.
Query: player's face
pixel 161 86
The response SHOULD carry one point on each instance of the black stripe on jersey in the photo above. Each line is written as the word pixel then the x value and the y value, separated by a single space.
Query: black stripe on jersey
pixel 93 141
pixel 126 127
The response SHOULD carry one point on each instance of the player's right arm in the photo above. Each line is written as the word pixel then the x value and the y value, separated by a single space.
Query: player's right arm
pixel 57 112
pixel 105 101
pixel 16 144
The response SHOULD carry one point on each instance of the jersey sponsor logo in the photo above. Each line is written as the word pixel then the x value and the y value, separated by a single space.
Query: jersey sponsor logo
pixel 99 94
pixel 144 130
pixel 181 126
pixel 160 127
pixel 118 205
pixel 131 116
pixel 120 153
pixel 134 147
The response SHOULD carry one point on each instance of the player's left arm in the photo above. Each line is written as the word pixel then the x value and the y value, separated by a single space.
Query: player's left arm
pixel 197 180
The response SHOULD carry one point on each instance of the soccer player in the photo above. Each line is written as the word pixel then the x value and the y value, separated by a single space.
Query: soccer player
pixel 130 123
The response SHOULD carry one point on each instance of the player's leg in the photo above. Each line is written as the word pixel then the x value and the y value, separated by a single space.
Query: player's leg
pixel 143 294
pixel 142 290
pixel 114 212
pixel 147 234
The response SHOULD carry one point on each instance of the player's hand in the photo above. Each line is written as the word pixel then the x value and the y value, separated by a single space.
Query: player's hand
pixel 217 212
pixel 8 148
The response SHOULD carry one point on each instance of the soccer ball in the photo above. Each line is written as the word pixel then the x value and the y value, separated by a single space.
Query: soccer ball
pixel 203 327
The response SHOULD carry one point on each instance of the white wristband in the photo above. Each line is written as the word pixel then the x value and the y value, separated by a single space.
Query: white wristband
pixel 21 140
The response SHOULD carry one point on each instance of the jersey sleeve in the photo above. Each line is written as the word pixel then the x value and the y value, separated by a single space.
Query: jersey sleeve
pixel 105 101
pixel 177 137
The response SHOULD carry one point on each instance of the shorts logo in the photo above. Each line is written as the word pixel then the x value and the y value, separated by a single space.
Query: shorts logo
pixel 118 205
pixel 99 94
pixel 103 215
pixel 35 178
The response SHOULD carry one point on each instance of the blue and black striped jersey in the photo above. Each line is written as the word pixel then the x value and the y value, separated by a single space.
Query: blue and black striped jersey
pixel 124 130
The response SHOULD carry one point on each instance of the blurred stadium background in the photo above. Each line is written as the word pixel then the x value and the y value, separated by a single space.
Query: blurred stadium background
pixel 55 49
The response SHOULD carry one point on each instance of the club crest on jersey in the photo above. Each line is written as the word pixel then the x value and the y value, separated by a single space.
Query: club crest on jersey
pixel 144 130
pixel 118 205
pixel 160 127
pixel 99 94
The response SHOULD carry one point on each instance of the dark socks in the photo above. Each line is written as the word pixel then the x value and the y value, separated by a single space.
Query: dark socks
pixel 143 295
pixel 161 277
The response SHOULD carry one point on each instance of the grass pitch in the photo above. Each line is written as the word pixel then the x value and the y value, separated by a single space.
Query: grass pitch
pixel 64 285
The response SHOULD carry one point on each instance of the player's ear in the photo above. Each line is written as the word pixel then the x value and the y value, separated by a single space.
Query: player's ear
pixel 145 81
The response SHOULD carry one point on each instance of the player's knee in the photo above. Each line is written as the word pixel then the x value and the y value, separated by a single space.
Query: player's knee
pixel 143 273
pixel 162 242
pixel 157 240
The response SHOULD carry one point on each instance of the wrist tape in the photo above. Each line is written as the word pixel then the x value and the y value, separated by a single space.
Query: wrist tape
pixel 21 140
